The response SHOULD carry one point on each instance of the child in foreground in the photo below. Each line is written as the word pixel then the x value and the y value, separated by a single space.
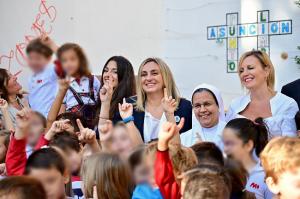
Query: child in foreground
pixel 281 162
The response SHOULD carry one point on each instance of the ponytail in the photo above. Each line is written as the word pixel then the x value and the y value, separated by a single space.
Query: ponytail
pixel 247 130
pixel 262 135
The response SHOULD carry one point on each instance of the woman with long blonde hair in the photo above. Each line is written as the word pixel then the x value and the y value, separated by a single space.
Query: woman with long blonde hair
pixel 157 100
pixel 257 75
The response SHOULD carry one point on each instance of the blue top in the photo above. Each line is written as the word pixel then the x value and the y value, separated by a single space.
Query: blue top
pixel 144 191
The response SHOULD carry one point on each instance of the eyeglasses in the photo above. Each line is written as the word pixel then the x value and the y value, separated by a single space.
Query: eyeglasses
pixel 205 105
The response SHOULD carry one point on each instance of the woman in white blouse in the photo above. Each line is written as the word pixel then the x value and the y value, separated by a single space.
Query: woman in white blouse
pixel 208 117
pixel 257 74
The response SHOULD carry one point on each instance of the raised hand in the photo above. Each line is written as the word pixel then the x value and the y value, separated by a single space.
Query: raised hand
pixel 167 132
pixel 48 42
pixel 23 118
pixel 106 92
pixel 85 135
pixel 168 103
pixel 105 130
pixel 3 104
pixel 57 127
pixel 125 109
pixel 64 84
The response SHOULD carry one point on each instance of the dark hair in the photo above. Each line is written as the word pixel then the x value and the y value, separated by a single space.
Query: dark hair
pixel 22 187
pixel 45 158
pixel 36 45
pixel 136 157
pixel 42 118
pixel 72 117
pixel 200 90
pixel 208 152
pixel 83 61
pixel 4 78
pixel 297 120
pixel 247 130
pixel 66 141
pixel 238 175
pixel 126 86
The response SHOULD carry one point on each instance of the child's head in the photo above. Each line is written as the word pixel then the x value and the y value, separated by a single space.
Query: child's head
pixel 39 55
pixel 4 142
pixel 73 60
pixel 206 181
pixel 21 187
pixel 72 126
pixel 139 170
pixel 238 175
pixel 37 127
pixel 208 152
pixel 183 159
pixel 109 174
pixel 281 162
pixel 241 136
pixel 121 142
pixel 48 166
pixel 71 147
pixel 149 160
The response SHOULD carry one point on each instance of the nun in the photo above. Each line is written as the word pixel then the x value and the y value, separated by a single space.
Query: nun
pixel 208 120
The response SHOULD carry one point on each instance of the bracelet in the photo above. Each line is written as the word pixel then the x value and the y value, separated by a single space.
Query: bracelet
pixel 128 119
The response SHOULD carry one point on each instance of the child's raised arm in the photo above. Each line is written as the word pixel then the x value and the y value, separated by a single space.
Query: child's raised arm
pixel 164 174
pixel 126 111
pixel 57 104
pixel 16 154
pixel 88 136
pixel 49 42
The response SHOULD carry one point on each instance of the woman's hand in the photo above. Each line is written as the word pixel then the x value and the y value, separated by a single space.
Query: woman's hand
pixel 106 92
pixel 105 130
pixel 168 103
pixel 57 127
pixel 125 109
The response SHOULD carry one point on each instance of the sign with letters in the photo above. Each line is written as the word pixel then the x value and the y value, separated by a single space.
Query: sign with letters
pixel 263 28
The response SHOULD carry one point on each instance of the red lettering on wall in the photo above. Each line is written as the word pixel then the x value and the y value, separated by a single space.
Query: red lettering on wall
pixel 41 24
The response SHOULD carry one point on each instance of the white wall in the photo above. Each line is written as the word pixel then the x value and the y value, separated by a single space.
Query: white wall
pixel 194 59
pixel 104 28
pixel 172 29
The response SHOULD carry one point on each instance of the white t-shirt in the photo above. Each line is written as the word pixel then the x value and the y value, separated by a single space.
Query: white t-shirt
pixel 42 90
pixel 256 183
pixel 282 121
pixel 82 88
pixel 152 126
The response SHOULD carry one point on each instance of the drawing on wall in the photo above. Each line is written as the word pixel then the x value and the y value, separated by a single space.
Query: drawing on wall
pixel 233 31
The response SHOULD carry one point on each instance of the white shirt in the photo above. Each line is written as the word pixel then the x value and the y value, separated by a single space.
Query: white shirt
pixel 42 90
pixel 82 89
pixel 256 183
pixel 152 126
pixel 282 121
pixel 213 134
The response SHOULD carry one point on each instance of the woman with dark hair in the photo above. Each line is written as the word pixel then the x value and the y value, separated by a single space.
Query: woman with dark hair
pixel 11 99
pixel 117 82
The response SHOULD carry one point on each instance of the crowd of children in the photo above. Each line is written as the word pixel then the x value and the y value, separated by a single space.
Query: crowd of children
pixel 76 135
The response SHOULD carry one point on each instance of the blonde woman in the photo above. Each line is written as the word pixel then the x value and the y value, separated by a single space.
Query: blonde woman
pixel 157 100
pixel 257 75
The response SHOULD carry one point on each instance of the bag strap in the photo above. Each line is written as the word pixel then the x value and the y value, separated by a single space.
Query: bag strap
pixel 91 88
pixel 77 96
